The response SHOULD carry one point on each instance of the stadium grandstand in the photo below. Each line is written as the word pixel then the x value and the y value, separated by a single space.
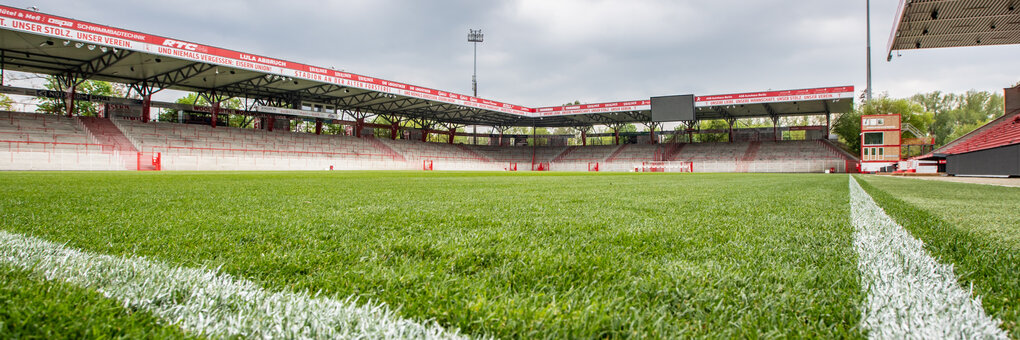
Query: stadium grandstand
pixel 993 149
pixel 283 91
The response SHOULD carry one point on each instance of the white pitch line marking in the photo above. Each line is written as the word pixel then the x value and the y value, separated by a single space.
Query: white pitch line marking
pixel 909 294
pixel 212 304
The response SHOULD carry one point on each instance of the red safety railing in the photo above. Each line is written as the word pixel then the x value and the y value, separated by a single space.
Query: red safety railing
pixel 155 149
pixel 16 146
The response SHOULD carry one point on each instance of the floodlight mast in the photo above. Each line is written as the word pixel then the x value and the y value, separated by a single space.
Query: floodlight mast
pixel 475 37
pixel 867 93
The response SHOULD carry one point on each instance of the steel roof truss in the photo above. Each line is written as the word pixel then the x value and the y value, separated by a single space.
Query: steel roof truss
pixel 99 64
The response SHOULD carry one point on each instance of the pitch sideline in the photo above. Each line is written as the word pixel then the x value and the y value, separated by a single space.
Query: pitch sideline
pixel 909 294
pixel 213 304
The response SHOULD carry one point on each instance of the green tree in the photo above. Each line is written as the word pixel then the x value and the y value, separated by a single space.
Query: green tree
pixel 380 133
pixel 568 131
pixel 81 108
pixel 848 127
pixel 526 130
pixel 915 111
pixel 407 123
pixel 954 115
pixel 611 139
pixel 6 103
pixel 240 121
pixel 910 111
pixel 715 124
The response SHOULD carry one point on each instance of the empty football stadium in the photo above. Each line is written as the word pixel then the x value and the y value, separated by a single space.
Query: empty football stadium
pixel 288 200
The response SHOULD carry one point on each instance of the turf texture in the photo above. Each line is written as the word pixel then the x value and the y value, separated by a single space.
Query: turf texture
pixel 561 255
pixel 972 226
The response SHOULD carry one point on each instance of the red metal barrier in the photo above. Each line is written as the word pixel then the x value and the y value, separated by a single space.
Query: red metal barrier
pixel 149 161
pixel 852 167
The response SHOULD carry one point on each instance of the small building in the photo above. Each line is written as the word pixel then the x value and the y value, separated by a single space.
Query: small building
pixel 880 141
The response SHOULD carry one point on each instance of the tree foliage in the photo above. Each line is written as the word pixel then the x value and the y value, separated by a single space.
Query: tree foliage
pixel 194 99
pixel 943 116
pixel 959 114
pixel 715 124
pixel 6 103
pixel 525 130
pixel 81 108
pixel 848 127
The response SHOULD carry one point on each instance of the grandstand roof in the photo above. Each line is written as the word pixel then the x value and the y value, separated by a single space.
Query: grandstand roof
pixel 42 43
pixel 948 23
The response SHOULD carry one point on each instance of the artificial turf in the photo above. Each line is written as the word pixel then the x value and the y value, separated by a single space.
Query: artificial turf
pixel 975 227
pixel 32 308
pixel 562 255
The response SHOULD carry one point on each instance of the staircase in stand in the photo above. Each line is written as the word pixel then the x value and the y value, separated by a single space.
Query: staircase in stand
pixel 836 150
pixel 744 163
pixel 616 153
pixel 386 149
pixel 474 154
pixel 564 153
pixel 851 163
pixel 666 152
pixel 673 151
pixel 105 132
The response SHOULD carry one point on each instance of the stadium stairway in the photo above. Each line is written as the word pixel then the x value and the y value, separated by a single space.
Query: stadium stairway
pixel 475 154
pixel 105 132
pixel 743 164
pixel 835 149
pixel 386 149
pixel 612 157
pixel 671 151
pixel 563 154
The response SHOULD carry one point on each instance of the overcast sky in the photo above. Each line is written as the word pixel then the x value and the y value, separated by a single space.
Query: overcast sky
pixel 546 52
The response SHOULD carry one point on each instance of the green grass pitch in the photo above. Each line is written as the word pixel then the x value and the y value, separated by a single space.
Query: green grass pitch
pixel 975 227
pixel 560 255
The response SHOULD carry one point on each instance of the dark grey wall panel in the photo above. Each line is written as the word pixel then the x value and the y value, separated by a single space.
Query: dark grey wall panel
pixel 1001 161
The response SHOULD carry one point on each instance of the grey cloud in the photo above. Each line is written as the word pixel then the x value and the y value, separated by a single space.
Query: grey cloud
pixel 550 52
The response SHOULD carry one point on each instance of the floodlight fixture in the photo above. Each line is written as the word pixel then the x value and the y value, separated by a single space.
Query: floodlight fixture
pixel 475 37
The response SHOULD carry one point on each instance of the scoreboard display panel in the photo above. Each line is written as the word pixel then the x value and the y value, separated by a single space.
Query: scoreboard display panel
pixel 673 108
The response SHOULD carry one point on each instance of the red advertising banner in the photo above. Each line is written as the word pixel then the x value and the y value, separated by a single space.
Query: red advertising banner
pixel 822 93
